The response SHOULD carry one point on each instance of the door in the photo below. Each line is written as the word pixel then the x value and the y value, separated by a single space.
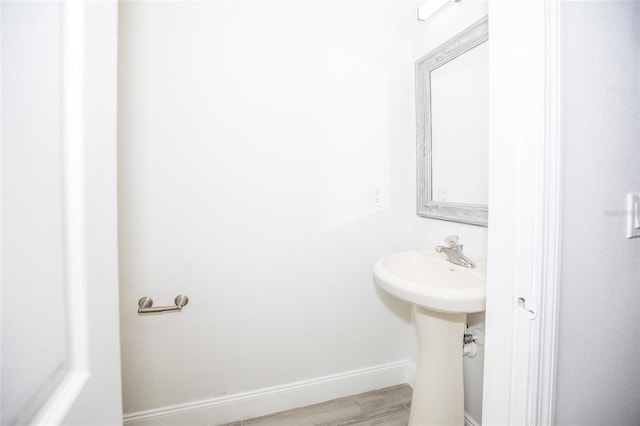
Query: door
pixel 60 332
pixel 524 225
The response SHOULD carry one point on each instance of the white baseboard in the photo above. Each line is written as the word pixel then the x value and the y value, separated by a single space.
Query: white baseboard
pixel 269 400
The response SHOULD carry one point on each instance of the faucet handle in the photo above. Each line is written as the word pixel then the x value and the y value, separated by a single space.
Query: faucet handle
pixel 452 240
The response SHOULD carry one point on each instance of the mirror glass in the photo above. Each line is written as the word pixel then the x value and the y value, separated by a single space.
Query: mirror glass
pixel 452 94
pixel 460 128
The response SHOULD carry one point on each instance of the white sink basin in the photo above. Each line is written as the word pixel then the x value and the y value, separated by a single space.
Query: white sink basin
pixel 442 294
pixel 427 279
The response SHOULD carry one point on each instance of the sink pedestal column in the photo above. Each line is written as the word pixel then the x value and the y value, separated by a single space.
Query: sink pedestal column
pixel 438 391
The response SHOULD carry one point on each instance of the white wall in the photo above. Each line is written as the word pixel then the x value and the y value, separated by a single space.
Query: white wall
pixel 250 140
pixel 599 340
pixel 427 233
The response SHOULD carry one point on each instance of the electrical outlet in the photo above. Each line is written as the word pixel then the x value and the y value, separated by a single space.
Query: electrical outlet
pixel 377 197
pixel 442 193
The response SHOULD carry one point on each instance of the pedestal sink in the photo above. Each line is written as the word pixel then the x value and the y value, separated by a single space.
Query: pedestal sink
pixel 442 294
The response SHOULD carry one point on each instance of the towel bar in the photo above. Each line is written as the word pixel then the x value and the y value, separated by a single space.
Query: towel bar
pixel 145 305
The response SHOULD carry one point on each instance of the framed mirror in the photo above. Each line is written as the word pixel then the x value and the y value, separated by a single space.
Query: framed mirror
pixel 452 104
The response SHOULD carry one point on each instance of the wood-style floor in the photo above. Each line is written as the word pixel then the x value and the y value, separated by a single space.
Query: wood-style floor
pixel 382 407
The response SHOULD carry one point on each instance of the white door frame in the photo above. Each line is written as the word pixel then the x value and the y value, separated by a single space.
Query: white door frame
pixel 55 409
pixel 525 216
pixel 87 389
pixel 56 393
pixel 59 403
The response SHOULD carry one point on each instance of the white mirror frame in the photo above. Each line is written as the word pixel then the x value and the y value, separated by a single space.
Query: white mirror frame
pixel 474 214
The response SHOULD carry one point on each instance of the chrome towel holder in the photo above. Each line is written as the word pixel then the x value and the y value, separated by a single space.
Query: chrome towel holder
pixel 145 305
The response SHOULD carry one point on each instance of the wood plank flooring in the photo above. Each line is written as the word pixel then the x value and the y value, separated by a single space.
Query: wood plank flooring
pixel 382 407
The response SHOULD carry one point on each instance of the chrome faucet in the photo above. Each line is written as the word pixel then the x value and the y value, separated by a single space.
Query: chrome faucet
pixel 454 252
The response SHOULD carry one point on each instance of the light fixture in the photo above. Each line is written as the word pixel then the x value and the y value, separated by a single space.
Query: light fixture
pixel 430 7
